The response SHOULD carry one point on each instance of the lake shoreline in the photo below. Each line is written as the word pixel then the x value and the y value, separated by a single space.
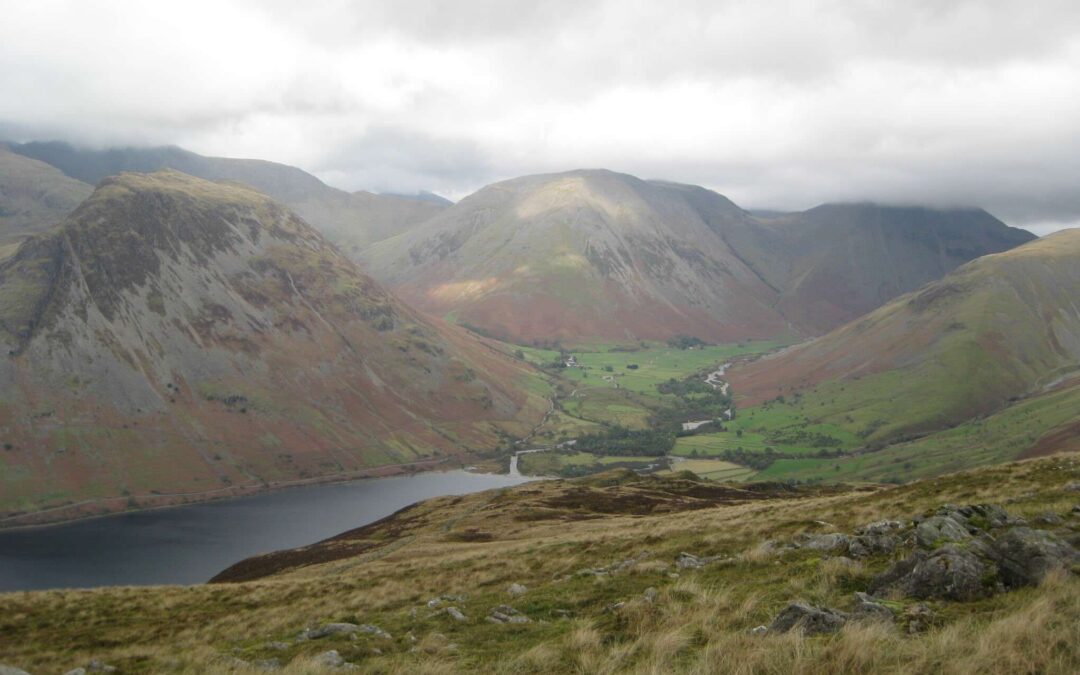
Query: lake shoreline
pixel 45 519
pixel 189 544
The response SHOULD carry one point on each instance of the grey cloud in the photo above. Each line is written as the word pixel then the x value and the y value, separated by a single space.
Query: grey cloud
pixel 776 104
pixel 388 159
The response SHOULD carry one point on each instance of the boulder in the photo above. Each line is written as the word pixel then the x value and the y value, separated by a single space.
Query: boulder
pixel 824 542
pixel 11 670
pixel 880 527
pixel 507 614
pixel 868 608
pixel 330 659
pixel 759 630
pixel 685 561
pixel 1071 486
pixel 73 671
pixel 650 594
pixel 1048 518
pixel 873 544
pixel 978 516
pixel 950 573
pixel 96 666
pixel 266 664
pixel 937 530
pixel 516 590
pixel 456 614
pixel 688 561
pixel 899 570
pixel 808 619
pixel 1024 555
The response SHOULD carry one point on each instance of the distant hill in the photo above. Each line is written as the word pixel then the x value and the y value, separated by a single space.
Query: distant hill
pixel 34 196
pixel 994 331
pixel 181 337
pixel 838 261
pixel 597 255
pixel 352 221
pixel 584 254
pixel 422 196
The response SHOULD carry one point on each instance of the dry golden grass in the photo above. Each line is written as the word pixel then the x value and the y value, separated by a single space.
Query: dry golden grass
pixel 698 621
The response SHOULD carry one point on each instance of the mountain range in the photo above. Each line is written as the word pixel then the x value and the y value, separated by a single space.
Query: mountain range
pixel 351 220
pixel 601 256
pixel 169 337
pixel 176 338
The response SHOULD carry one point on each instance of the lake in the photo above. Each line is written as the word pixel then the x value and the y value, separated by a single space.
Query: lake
pixel 190 544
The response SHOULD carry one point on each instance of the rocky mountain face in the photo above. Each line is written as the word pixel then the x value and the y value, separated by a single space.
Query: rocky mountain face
pixel 997 329
pixel 351 220
pixel 596 255
pixel 33 196
pixel 178 336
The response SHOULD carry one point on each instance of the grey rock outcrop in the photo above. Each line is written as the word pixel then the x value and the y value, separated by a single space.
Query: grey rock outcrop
pixel 329 629
pixel 456 614
pixel 517 589
pixel 332 659
pixel 824 542
pixel 507 614
pixel 868 608
pixel 938 530
pixel 808 619
pixel 1025 556
pixel 950 572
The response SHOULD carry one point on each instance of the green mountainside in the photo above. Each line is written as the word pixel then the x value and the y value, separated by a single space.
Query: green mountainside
pixel 978 367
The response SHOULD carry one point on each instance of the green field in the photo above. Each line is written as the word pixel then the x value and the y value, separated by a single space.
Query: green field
pixel 628 397
pixel 1000 437
pixel 656 363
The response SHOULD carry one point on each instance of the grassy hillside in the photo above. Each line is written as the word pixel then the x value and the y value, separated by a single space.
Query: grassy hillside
pixel 600 586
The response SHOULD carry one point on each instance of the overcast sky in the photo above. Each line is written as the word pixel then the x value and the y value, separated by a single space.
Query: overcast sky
pixel 775 104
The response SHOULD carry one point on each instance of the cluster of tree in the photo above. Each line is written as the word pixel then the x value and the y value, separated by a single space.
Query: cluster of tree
pixel 619 440
pixel 803 437
pixel 754 460
pixel 695 400
pixel 686 342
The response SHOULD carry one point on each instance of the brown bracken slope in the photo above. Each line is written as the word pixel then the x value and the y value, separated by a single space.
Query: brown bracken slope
pixel 181 339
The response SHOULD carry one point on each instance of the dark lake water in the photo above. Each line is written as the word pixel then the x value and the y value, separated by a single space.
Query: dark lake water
pixel 190 544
